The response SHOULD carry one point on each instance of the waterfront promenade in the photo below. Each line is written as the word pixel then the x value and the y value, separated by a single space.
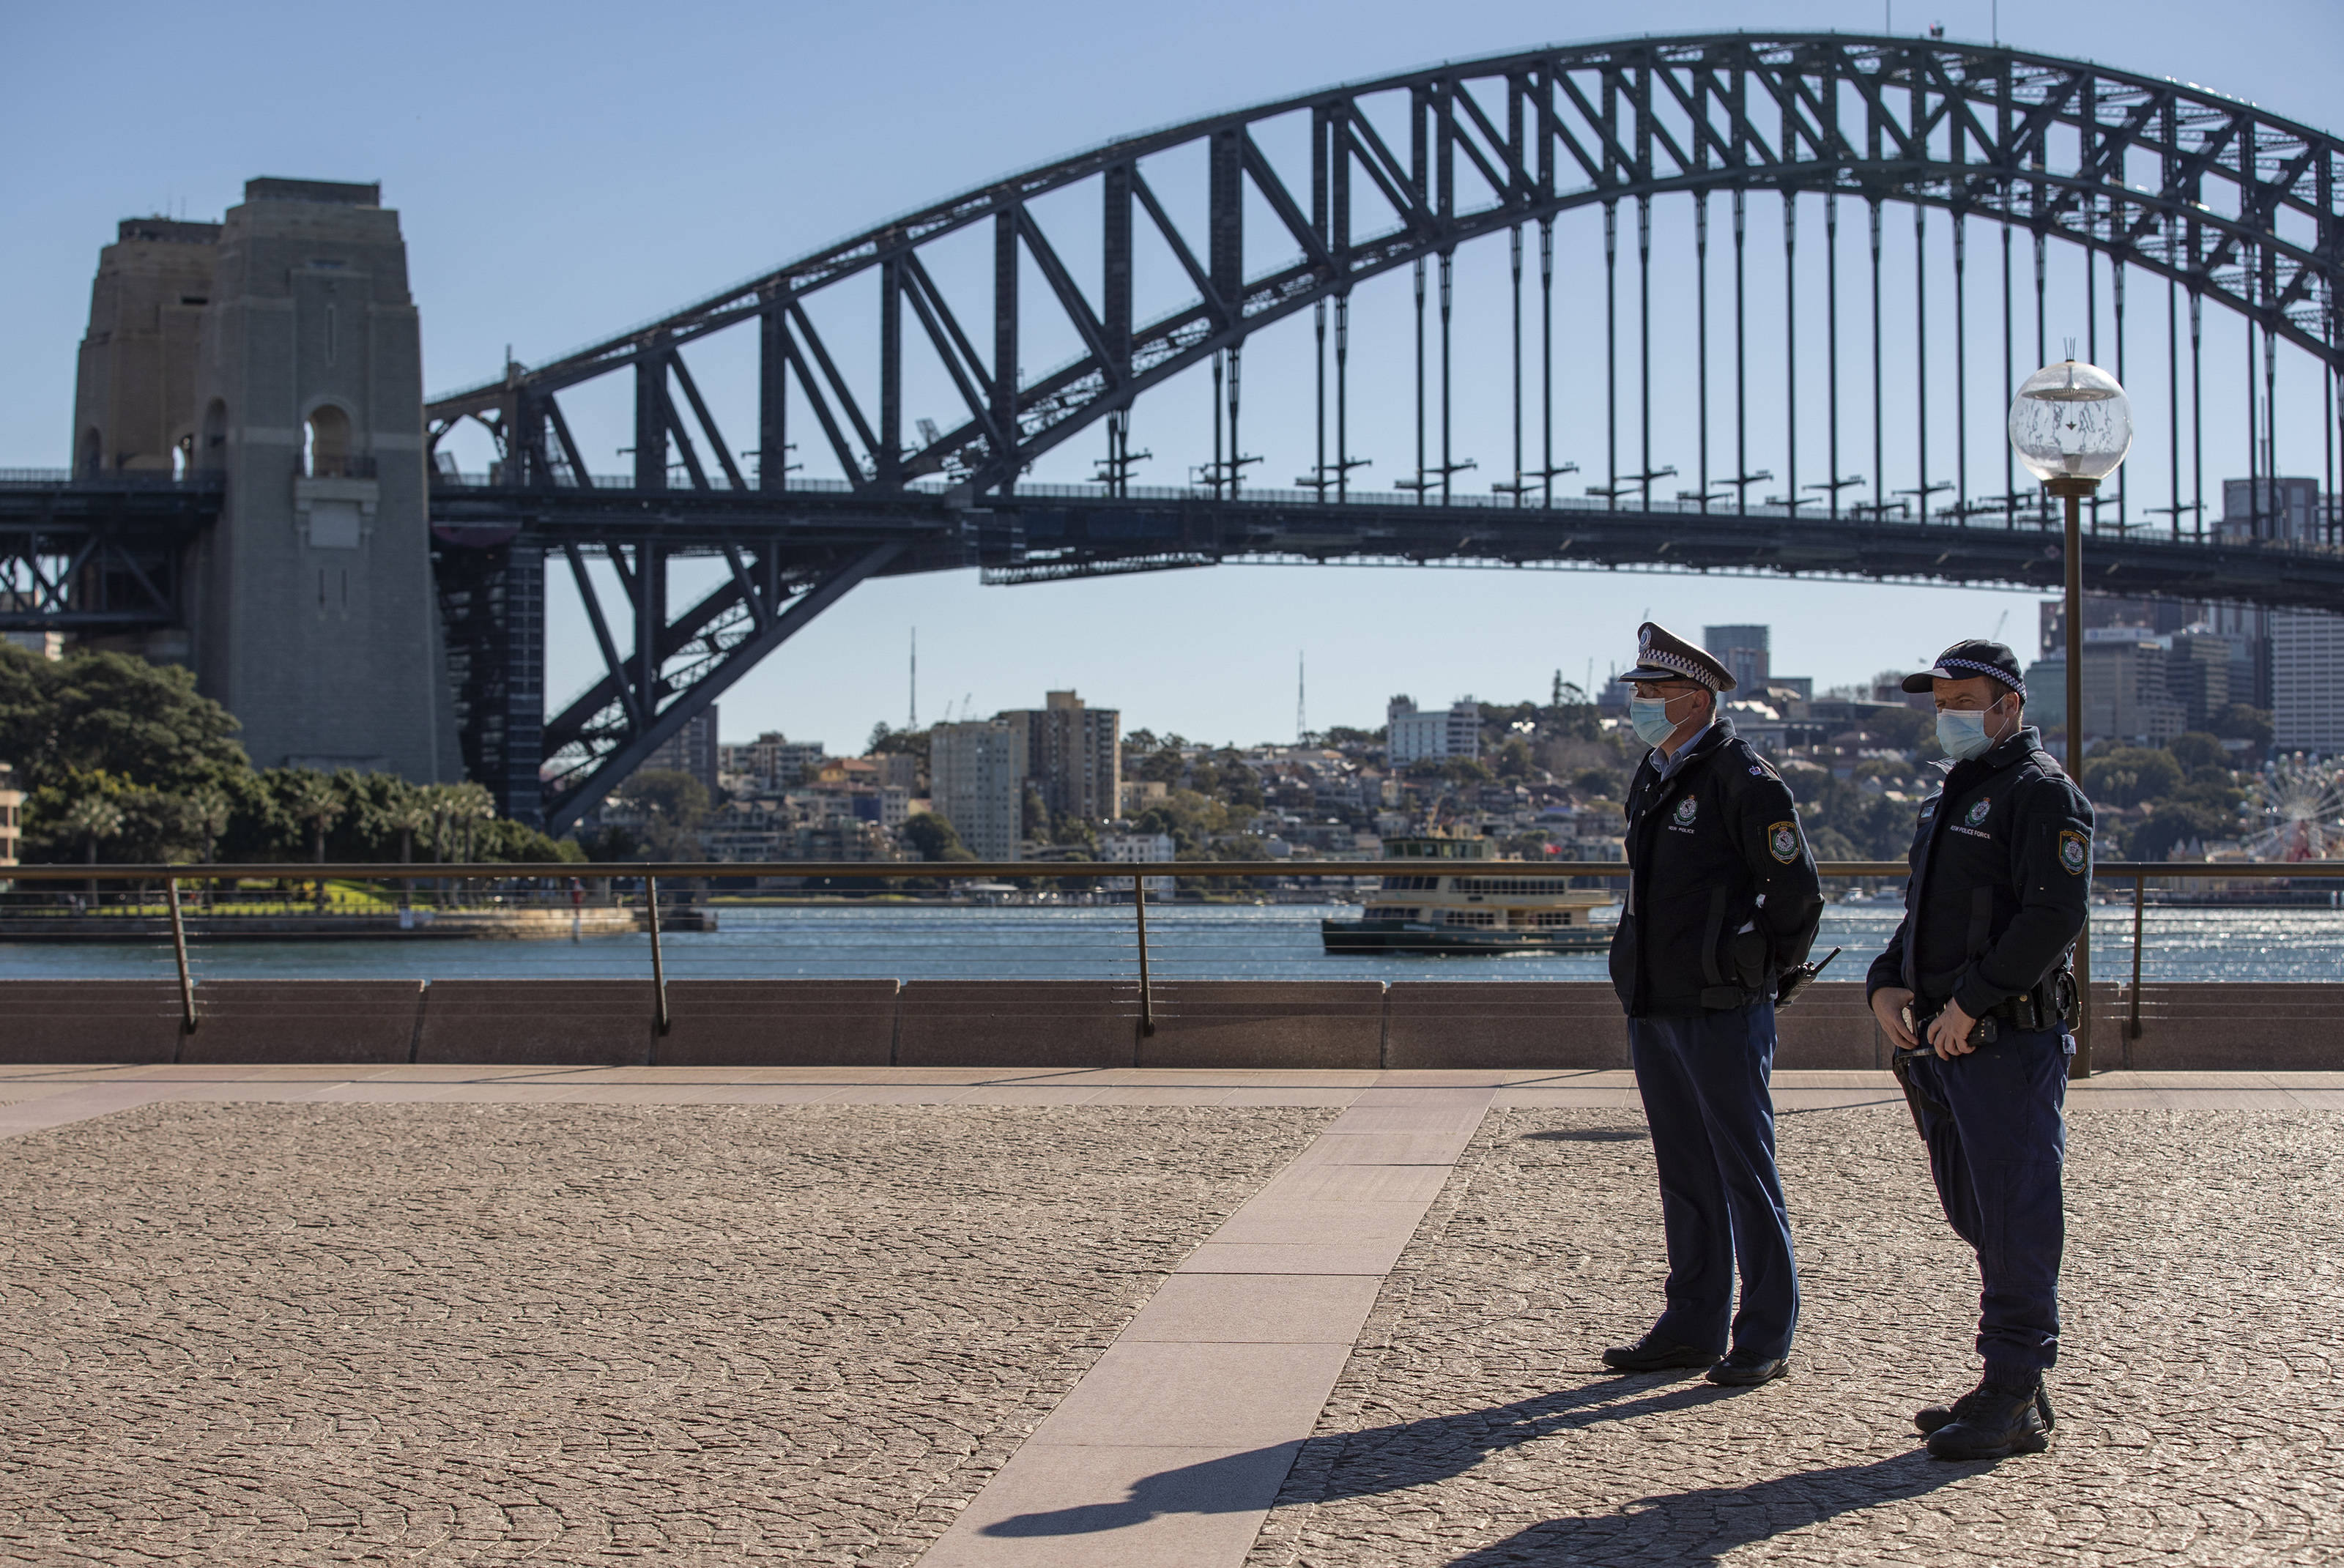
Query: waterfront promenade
pixel 971 1316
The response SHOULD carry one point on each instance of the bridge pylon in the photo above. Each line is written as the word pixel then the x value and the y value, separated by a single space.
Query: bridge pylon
pixel 313 618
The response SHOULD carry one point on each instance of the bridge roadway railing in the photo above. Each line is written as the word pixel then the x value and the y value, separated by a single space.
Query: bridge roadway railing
pixel 1016 963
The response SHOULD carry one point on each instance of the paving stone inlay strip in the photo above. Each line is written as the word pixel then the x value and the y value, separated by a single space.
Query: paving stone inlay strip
pixel 1172 1447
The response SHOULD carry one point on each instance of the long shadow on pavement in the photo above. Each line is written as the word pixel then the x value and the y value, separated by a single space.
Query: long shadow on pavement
pixel 1371 1461
pixel 1702 1525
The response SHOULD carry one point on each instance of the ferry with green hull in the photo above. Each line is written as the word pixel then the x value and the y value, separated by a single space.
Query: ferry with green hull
pixel 1422 907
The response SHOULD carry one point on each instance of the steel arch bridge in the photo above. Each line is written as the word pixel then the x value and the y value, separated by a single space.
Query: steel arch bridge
pixel 2135 175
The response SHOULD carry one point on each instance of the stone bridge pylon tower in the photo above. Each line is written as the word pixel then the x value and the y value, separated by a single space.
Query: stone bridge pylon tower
pixel 280 349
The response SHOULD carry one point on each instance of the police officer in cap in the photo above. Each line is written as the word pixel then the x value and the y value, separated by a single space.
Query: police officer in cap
pixel 1975 991
pixel 1723 904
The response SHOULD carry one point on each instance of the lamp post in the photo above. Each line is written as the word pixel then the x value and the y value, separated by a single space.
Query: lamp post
pixel 2071 426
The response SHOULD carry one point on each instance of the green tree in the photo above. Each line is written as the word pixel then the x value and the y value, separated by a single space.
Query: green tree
pixel 92 817
pixel 113 713
pixel 2197 750
pixel 672 806
pixel 899 742
pixel 934 838
pixel 315 802
pixel 2176 822
pixel 2252 725
pixel 208 811
pixel 2131 775
pixel 406 816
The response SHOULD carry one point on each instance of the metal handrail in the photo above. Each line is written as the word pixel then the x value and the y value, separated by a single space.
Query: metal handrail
pixel 605 871
pixel 2137 871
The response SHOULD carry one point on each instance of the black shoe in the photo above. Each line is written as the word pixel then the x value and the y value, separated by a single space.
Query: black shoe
pixel 1930 1417
pixel 1993 1421
pixel 1740 1369
pixel 1650 1354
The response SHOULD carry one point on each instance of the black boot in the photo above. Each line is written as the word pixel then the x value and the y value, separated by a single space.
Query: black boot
pixel 1995 1421
pixel 1740 1368
pixel 1653 1354
pixel 1930 1417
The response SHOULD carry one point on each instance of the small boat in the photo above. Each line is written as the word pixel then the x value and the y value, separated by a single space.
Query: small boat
pixel 1422 907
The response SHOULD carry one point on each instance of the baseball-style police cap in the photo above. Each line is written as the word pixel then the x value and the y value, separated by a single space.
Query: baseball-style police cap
pixel 1662 655
pixel 1966 661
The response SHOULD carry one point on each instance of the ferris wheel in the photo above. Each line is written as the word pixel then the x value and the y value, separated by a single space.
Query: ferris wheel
pixel 2295 812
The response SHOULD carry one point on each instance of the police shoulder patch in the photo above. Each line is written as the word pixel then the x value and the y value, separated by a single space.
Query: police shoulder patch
pixel 2074 852
pixel 1782 841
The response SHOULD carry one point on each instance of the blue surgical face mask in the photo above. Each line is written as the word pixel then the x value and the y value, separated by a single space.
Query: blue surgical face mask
pixel 1649 717
pixel 1963 733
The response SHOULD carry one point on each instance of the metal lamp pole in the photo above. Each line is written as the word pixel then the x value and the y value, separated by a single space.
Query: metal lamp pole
pixel 2074 489
pixel 2071 426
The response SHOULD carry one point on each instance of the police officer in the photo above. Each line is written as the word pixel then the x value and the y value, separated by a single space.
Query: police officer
pixel 1723 902
pixel 1974 991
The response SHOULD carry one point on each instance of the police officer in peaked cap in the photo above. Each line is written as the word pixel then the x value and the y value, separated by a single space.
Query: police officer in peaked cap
pixel 1722 905
pixel 1975 991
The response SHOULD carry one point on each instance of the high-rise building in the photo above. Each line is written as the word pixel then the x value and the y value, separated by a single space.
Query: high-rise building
pixel 2127 693
pixel 977 773
pixel 1743 649
pixel 2103 612
pixel 1433 736
pixel 2280 508
pixel 1073 753
pixel 2307 658
pixel 2198 674
pixel 693 750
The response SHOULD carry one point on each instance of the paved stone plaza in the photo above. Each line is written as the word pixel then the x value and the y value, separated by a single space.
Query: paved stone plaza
pixel 852 1316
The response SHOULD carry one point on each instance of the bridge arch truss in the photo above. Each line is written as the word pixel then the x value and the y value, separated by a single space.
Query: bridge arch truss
pixel 2238 207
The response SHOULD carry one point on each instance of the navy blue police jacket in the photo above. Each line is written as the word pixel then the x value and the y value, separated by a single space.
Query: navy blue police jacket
pixel 2002 859
pixel 1721 889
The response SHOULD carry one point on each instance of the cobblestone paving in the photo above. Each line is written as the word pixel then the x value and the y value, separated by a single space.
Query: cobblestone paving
pixel 2200 1392
pixel 240 1333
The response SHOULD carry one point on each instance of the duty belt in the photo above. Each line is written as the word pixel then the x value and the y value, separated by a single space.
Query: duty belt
pixel 2050 1003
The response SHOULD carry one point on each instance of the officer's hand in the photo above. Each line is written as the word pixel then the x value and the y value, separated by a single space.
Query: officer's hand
pixel 1887 1005
pixel 1950 1032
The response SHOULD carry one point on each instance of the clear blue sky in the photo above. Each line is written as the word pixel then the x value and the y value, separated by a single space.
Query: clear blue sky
pixel 564 171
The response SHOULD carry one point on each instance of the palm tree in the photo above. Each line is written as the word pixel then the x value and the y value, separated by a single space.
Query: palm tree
pixel 315 801
pixel 407 816
pixel 470 804
pixel 91 818
pixel 205 812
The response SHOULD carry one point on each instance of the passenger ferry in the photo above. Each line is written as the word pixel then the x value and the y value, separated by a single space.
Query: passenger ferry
pixel 1419 910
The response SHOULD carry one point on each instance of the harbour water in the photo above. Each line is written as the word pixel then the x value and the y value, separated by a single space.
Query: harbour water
pixel 1185 942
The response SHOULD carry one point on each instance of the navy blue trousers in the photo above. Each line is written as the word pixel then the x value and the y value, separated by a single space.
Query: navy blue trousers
pixel 1703 1078
pixel 1997 1139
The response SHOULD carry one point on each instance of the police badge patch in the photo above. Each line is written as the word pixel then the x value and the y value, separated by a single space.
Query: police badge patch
pixel 1782 841
pixel 1978 812
pixel 1686 808
pixel 2074 852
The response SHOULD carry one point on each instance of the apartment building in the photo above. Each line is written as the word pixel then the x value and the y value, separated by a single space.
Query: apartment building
pixel 1073 753
pixel 977 773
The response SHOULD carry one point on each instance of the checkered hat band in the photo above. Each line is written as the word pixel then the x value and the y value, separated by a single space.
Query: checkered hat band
pixel 1663 659
pixel 2004 676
